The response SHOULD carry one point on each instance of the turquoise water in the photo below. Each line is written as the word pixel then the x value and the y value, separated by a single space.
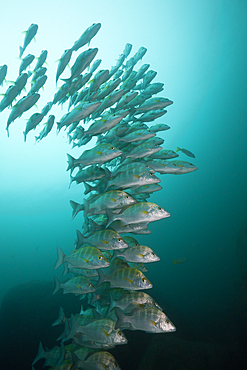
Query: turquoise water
pixel 199 52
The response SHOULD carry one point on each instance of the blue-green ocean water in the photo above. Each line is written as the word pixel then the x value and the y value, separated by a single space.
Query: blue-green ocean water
pixel 199 52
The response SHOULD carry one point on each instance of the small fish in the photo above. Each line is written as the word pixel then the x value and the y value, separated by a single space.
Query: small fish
pixel 47 127
pixel 103 239
pixel 87 257
pixel 129 301
pixel 86 37
pixel 127 278
pixel 26 62
pixel 140 253
pixel 185 151
pixel 21 106
pixel 41 59
pixel 3 73
pixel 82 62
pixel 32 123
pixel 63 62
pixel 180 260
pixel 99 360
pixel 29 35
pixel 99 154
pixel 75 285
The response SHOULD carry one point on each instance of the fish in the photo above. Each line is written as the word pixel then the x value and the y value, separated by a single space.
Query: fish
pixel 10 94
pixel 3 73
pixel 86 257
pixel 75 285
pixel 87 36
pixel 129 301
pixel 100 360
pixel 41 59
pixel 82 62
pixel 127 278
pixel 102 239
pixel 181 260
pixel 148 319
pixel 32 123
pixel 185 151
pixel 98 330
pixel 29 35
pixel 26 62
pixel 140 253
pixel 21 106
pixel 63 62
pixel 47 127
pixel 139 212
pixel 99 154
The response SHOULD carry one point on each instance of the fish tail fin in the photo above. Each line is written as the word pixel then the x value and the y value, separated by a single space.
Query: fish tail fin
pixel 73 328
pixel 94 298
pixel 120 318
pixel 111 305
pixel 175 262
pixel 57 286
pixel 86 207
pixel 70 161
pixel 40 354
pixel 66 269
pixel 88 188
pixel 65 332
pixel 80 239
pixel 71 180
pixel 61 317
pixel 107 173
pixel 60 258
pixel 20 51
pixel 77 363
pixel 76 208
pixel 177 150
pixel 62 354
pixel 115 254
pixel 110 216
pixel 102 277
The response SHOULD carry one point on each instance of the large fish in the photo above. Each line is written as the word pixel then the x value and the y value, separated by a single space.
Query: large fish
pixel 148 319
pixel 139 212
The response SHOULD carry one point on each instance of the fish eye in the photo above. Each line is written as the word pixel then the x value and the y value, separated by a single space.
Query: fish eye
pixel 167 321
pixel 152 253
pixel 144 280
pixel 119 239
pixel 112 147
pixel 100 257
pixel 126 196
pixel 159 208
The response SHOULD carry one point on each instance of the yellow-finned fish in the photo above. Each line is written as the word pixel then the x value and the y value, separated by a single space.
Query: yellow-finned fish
pixel 180 260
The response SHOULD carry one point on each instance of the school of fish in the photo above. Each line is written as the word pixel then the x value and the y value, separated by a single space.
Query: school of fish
pixel 107 265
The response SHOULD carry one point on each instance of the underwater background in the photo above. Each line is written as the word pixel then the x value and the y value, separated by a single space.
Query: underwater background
pixel 198 49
